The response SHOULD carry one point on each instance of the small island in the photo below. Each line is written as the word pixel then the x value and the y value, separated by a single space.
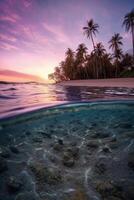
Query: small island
pixel 99 64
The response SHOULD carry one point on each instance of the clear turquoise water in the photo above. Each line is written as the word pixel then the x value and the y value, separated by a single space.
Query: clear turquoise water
pixel 97 137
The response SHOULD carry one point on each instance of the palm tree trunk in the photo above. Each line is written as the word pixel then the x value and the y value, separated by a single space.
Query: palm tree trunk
pixel 86 72
pixel 95 67
pixel 116 68
pixel 92 41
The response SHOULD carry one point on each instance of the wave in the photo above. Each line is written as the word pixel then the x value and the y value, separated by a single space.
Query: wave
pixel 9 89
pixel 40 93
pixel 18 97
pixel 6 97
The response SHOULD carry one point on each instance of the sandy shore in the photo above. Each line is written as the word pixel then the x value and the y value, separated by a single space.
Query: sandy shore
pixel 113 82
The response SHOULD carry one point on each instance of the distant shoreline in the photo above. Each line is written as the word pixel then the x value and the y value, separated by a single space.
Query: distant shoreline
pixel 112 82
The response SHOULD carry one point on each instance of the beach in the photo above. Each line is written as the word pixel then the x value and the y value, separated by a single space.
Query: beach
pixel 112 82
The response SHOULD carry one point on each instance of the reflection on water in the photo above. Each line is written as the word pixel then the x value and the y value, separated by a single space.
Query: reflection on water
pixel 17 98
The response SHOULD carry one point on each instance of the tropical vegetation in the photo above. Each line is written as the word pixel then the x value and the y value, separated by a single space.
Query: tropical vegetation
pixel 79 64
pixel 129 25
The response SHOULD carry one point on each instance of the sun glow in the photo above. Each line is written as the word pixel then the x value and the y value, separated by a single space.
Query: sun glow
pixel 34 35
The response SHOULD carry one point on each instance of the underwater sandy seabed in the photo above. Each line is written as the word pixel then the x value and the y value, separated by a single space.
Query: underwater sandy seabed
pixel 79 152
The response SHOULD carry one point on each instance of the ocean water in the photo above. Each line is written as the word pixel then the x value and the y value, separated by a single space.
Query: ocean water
pixel 80 151
pixel 78 144
pixel 18 98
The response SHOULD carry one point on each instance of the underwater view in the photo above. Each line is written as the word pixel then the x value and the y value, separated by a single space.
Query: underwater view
pixel 77 151
pixel 66 100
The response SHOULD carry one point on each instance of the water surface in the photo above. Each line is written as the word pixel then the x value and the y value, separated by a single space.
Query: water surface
pixel 18 98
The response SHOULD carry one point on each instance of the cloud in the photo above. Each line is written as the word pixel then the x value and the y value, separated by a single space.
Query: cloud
pixel 26 30
pixel 126 36
pixel 31 37
pixel 27 3
pixel 8 47
pixel 7 38
pixel 7 18
pixel 13 18
pixel 58 33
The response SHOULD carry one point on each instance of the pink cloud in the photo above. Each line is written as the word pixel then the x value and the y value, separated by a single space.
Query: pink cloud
pixel 33 37
pixel 58 32
pixel 10 18
pixel 126 36
pixel 7 18
pixel 8 47
pixel 7 37
pixel 27 3
pixel 26 30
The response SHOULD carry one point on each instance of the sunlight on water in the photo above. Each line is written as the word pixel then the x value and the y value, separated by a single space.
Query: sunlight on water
pixel 18 98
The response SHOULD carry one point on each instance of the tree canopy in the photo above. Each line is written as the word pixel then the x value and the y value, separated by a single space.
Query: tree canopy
pixel 79 64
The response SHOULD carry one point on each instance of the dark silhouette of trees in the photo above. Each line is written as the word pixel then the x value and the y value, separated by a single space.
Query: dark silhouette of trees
pixel 69 72
pixel 98 64
pixel 129 25
pixel 127 61
pixel 115 45
pixel 101 62
pixel 81 55
pixel 81 65
pixel 90 30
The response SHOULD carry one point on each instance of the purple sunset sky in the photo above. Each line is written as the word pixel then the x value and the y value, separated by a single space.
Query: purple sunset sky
pixel 34 34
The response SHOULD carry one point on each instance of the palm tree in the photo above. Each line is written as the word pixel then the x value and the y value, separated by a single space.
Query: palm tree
pixel 69 70
pixel 99 52
pixel 115 44
pixel 81 56
pixel 81 52
pixel 127 61
pixel 90 30
pixel 82 47
pixel 99 49
pixel 107 66
pixel 129 25
pixel 69 53
pixel 119 54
